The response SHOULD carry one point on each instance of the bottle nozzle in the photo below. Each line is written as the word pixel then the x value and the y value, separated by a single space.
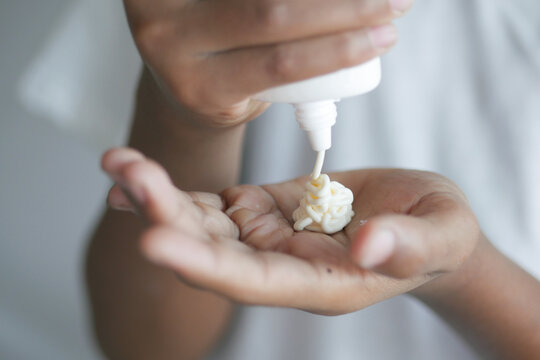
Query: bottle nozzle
pixel 317 119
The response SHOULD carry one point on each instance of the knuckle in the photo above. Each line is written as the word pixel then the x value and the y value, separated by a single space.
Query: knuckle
pixel 281 66
pixel 372 12
pixel 150 37
pixel 361 9
pixel 384 12
pixel 272 16
pixel 348 51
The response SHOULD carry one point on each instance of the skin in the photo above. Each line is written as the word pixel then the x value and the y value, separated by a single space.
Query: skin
pixel 241 244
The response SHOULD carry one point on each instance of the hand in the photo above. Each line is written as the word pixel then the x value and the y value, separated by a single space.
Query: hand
pixel 210 56
pixel 242 245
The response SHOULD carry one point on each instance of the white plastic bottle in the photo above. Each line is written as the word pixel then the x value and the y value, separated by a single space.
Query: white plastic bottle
pixel 314 99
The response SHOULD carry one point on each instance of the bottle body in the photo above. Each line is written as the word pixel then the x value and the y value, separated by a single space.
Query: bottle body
pixel 314 99
pixel 344 83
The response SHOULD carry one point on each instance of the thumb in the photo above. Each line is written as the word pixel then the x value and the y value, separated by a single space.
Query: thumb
pixel 403 246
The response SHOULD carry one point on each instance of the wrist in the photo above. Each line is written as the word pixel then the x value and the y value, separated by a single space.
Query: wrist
pixel 197 156
pixel 489 302
pixel 446 286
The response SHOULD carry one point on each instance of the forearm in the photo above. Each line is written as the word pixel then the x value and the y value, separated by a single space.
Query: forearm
pixel 196 156
pixel 492 303
pixel 141 311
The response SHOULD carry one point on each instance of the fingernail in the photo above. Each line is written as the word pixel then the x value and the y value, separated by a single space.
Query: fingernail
pixel 121 207
pixel 383 36
pixel 378 249
pixel 400 6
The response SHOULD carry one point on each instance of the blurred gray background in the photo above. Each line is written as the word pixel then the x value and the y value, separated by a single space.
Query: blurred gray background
pixel 51 194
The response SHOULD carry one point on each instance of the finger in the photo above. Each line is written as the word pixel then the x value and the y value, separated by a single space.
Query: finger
pixel 114 159
pixel 118 200
pixel 248 197
pixel 151 191
pixel 112 162
pixel 237 23
pixel 436 238
pixel 231 268
pixel 253 209
pixel 209 199
pixel 249 71
pixel 162 203
pixel 215 221
pixel 135 173
pixel 144 185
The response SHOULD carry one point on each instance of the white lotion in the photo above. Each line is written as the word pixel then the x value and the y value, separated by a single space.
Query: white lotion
pixel 326 206
pixel 314 99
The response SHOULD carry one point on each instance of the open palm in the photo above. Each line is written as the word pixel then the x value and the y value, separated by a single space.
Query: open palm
pixel 409 226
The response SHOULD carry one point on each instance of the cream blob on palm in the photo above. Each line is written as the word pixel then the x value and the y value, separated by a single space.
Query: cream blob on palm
pixel 326 206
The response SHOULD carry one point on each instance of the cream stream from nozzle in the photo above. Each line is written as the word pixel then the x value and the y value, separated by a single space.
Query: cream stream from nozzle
pixel 318 165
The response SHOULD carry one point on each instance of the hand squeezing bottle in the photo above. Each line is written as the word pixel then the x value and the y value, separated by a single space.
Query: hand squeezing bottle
pixel 326 206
